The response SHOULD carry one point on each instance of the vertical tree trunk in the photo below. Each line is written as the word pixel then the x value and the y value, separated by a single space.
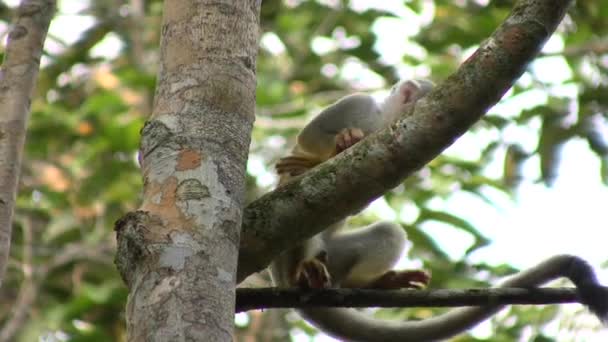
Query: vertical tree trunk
pixel 178 253
pixel 17 83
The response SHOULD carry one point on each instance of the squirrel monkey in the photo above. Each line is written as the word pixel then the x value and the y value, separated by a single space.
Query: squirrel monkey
pixel 363 258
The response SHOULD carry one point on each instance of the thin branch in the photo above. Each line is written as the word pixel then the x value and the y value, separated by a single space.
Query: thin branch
pixel 17 82
pixel 76 52
pixel 101 252
pixel 596 47
pixel 297 211
pixel 28 292
pixel 272 298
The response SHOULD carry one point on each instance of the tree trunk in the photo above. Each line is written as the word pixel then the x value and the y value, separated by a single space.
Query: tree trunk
pixel 17 82
pixel 178 253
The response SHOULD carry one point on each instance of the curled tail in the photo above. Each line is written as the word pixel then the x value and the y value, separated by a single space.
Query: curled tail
pixel 351 325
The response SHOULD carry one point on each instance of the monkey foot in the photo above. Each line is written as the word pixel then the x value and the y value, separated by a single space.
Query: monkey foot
pixel 347 138
pixel 294 166
pixel 313 274
pixel 392 280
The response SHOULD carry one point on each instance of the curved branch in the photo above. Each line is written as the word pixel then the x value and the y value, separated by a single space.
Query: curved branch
pixel 273 298
pixel 28 290
pixel 290 214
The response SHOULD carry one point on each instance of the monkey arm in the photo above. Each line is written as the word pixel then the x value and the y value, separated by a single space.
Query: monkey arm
pixel 358 111
pixel 345 123
pixel 336 128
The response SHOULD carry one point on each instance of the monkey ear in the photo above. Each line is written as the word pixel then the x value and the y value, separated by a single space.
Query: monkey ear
pixel 408 90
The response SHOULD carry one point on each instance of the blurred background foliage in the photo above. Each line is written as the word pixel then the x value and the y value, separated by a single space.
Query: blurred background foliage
pixel 80 170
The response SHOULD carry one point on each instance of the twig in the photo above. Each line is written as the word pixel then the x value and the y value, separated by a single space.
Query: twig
pixel 267 298
pixel 597 47
pixel 33 278
pixel 28 292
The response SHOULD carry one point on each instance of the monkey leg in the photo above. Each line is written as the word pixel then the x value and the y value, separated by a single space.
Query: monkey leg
pixel 312 273
pixel 347 138
pixel 392 280
pixel 362 257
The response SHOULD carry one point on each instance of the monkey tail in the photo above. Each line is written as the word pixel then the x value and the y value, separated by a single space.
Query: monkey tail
pixel 351 325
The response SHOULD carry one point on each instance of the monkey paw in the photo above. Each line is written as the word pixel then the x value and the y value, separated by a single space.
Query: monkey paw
pixel 347 138
pixel 313 274
pixel 392 280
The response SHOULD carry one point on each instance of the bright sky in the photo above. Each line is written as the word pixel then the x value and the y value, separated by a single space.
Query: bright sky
pixel 567 218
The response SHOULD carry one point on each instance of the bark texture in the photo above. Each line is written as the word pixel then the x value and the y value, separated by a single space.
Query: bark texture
pixel 178 253
pixel 347 183
pixel 17 84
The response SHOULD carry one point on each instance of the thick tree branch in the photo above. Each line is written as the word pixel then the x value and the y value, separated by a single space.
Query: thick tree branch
pixel 295 212
pixel 178 253
pixel 17 82
pixel 272 298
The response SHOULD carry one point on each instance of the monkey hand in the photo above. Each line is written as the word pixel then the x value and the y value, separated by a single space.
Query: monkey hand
pixel 313 274
pixel 392 280
pixel 347 138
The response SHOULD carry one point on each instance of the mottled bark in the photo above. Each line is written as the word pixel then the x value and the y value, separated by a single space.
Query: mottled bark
pixel 17 83
pixel 345 184
pixel 178 253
